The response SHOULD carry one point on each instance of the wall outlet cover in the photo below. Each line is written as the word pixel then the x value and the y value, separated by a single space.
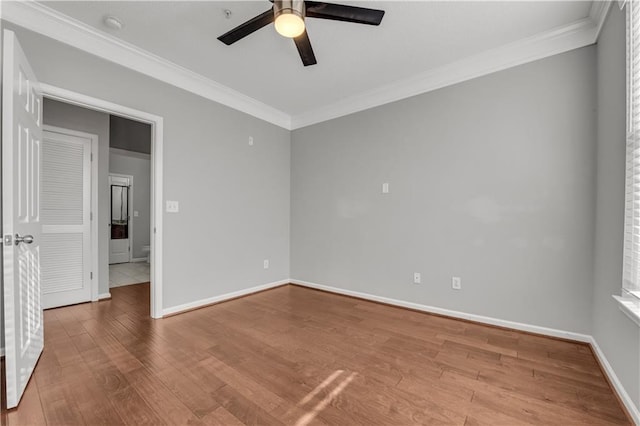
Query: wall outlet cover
pixel 173 206
pixel 456 283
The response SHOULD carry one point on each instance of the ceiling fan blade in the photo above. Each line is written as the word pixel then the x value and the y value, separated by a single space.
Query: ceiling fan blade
pixel 251 26
pixel 305 50
pixel 339 12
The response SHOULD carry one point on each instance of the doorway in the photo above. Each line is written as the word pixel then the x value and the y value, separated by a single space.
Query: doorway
pixel 120 189
pixel 155 204
pixel 22 134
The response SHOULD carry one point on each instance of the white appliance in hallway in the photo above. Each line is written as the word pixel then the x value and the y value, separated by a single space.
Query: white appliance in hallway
pixel 120 226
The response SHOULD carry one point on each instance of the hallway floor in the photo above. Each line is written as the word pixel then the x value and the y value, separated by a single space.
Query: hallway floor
pixel 121 274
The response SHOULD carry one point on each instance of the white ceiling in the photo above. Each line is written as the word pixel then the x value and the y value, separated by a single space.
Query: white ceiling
pixel 414 38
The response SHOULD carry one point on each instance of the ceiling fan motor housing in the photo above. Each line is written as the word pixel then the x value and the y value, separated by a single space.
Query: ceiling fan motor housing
pixel 294 7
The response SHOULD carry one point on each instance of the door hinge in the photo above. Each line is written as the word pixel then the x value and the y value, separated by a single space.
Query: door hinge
pixel 92 156
pixel 91 216
pixel 90 275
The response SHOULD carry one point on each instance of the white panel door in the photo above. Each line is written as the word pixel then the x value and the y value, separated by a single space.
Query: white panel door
pixel 120 226
pixel 65 252
pixel 21 227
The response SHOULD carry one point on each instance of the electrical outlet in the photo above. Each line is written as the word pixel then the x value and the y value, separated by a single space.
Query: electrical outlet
pixel 250 140
pixel 456 283
pixel 173 206
pixel 266 264
pixel 417 278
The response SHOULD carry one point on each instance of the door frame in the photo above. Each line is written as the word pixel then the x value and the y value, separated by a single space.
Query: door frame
pixel 129 211
pixel 157 135
pixel 95 296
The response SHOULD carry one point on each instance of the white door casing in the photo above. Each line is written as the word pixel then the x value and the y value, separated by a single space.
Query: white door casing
pixel 157 200
pixel 65 253
pixel 120 248
pixel 21 157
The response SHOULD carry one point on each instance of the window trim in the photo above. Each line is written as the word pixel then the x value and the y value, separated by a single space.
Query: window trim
pixel 630 306
pixel 629 300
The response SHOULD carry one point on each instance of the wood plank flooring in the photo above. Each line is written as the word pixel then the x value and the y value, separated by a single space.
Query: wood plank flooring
pixel 297 356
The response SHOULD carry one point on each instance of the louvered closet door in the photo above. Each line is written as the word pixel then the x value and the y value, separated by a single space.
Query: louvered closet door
pixel 66 231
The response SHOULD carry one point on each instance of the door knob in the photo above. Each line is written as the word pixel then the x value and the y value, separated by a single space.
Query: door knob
pixel 28 239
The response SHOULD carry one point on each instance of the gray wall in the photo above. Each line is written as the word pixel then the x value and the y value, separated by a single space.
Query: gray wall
pixel 490 180
pixel 234 199
pixel 84 120
pixel 616 334
pixel 129 135
pixel 138 166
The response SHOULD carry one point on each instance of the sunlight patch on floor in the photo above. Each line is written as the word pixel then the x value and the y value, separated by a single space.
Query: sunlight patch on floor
pixel 308 417
pixel 321 386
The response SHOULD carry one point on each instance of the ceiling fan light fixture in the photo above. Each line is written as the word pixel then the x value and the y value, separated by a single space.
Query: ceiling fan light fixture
pixel 289 17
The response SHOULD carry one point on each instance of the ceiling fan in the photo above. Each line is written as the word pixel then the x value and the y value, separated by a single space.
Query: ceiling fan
pixel 288 17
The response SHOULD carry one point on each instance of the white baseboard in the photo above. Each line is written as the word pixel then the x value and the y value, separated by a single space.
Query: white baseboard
pixel 104 296
pixel 455 314
pixel 138 259
pixel 631 407
pixel 210 300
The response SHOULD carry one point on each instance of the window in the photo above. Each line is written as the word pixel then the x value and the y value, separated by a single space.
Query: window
pixel 630 300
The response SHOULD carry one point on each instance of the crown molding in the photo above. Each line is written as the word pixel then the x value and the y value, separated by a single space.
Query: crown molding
pixel 578 34
pixel 44 20
pixel 51 23
pixel 598 13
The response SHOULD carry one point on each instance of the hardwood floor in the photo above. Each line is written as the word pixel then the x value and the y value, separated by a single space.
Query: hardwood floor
pixel 297 356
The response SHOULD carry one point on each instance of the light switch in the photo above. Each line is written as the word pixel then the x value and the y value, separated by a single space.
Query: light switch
pixel 136 213
pixel 173 207
pixel 385 188
pixel 250 140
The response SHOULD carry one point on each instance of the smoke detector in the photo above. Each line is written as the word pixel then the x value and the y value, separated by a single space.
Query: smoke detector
pixel 112 22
